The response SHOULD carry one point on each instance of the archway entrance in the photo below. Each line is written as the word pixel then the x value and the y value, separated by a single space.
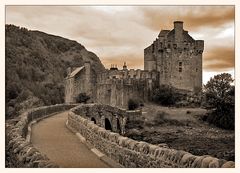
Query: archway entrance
pixel 108 125
pixel 93 119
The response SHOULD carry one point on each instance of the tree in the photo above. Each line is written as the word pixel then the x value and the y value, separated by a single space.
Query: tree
pixel 219 94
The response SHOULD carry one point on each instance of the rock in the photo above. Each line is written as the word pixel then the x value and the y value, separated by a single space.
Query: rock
pixel 229 164
pixel 214 163
pixel 206 161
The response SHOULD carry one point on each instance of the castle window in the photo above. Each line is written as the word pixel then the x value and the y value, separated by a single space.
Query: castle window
pixel 180 66
pixel 169 46
pixel 160 45
pixel 196 69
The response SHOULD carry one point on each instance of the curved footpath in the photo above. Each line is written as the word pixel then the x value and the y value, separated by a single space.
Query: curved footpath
pixel 61 146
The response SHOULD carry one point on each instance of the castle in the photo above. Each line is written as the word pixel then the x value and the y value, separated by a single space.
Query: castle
pixel 173 59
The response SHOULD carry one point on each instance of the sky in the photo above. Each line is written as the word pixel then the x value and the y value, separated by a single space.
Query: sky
pixel 120 33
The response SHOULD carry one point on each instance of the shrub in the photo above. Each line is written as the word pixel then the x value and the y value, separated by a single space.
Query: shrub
pixel 141 104
pixel 133 104
pixel 82 98
pixel 167 96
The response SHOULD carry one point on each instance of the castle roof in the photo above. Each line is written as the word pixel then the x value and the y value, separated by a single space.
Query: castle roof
pixel 163 33
pixel 76 71
pixel 186 36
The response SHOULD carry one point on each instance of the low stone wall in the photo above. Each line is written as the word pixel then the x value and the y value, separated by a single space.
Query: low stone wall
pixel 19 150
pixel 131 153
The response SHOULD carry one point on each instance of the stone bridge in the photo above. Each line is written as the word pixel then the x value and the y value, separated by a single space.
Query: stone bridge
pixel 51 143
pixel 108 117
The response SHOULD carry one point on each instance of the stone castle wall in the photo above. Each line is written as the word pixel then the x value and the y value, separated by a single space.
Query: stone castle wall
pixel 20 153
pixel 117 87
pixel 131 153
pixel 117 92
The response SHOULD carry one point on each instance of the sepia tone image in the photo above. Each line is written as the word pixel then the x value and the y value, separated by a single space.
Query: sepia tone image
pixel 120 87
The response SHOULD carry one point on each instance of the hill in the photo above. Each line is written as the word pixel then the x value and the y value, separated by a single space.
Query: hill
pixel 36 65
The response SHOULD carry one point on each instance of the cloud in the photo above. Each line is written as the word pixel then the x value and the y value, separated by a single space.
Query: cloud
pixel 194 17
pixel 219 59
pixel 120 33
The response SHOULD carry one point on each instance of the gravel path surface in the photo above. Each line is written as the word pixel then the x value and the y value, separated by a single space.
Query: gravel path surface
pixel 61 146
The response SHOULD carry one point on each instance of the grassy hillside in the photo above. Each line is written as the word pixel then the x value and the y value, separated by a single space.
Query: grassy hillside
pixel 36 65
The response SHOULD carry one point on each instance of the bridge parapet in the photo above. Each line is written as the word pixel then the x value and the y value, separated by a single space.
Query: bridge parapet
pixel 131 153
pixel 19 150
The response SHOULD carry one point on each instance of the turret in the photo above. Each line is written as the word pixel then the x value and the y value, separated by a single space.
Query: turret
pixel 124 66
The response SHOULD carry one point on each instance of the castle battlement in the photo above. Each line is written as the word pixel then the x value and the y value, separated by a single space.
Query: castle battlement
pixel 127 74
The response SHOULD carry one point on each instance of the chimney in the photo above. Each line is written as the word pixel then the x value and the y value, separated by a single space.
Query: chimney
pixel 178 28
pixel 87 82
pixel 69 70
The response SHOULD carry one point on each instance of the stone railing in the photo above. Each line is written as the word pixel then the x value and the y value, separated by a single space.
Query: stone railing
pixel 19 150
pixel 131 153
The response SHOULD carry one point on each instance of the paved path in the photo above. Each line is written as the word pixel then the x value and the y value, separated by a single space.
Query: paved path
pixel 52 138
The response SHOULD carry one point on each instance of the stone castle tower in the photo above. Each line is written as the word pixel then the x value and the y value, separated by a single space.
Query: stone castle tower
pixel 177 57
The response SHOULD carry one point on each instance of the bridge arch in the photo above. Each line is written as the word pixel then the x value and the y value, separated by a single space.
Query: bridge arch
pixel 118 126
pixel 94 120
pixel 108 125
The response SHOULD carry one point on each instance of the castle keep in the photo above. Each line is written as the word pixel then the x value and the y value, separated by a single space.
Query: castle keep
pixel 177 57
pixel 173 59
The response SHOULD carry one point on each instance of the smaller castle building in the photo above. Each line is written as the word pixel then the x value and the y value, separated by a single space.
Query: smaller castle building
pixel 79 80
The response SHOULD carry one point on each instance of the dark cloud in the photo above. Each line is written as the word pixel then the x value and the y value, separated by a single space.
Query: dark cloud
pixel 219 59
